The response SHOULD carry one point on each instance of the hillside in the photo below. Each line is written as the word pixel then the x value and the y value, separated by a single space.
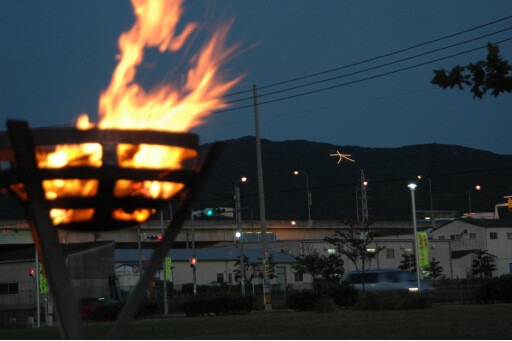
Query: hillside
pixel 453 170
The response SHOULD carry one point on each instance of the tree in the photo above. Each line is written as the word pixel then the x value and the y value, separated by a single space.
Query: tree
pixel 408 262
pixel 435 269
pixel 483 265
pixel 249 272
pixel 353 244
pixel 327 268
pixel 490 74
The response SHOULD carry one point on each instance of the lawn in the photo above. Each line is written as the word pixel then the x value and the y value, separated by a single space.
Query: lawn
pixel 440 322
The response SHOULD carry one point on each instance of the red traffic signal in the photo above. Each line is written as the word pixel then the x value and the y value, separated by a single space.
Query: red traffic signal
pixel 31 272
pixel 193 262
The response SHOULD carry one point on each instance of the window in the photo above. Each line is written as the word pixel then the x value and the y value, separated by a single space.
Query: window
pixel 472 236
pixel 220 277
pixel 441 237
pixel 230 278
pixel 298 276
pixel 370 250
pixel 509 235
pixel 281 275
pixel 493 235
pixel 390 253
pixel 8 288
pixel 331 251
pixel 455 237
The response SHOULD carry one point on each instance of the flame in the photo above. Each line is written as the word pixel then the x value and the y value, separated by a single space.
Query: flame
pixel 127 105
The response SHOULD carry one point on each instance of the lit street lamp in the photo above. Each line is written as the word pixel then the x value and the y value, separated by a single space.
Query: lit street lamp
pixel 477 187
pixel 240 232
pixel 412 187
pixel 297 172
pixel 433 220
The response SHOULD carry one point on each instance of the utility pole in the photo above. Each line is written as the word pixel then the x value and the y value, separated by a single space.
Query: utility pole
pixel 239 222
pixel 364 203
pixel 266 279
pixel 166 303
pixel 193 251
pixel 37 273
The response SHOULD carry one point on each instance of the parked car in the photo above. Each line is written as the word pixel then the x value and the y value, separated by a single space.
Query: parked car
pixel 88 304
pixel 386 280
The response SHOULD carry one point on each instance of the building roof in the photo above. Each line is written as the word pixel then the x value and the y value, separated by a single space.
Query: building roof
pixel 462 253
pixel 28 253
pixel 203 254
pixel 494 223
pixel 489 222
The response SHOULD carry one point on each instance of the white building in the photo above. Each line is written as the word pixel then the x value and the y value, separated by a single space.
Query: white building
pixel 214 265
pixel 467 236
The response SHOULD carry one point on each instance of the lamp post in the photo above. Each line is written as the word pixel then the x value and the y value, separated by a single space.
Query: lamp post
pixel 412 187
pixel 433 220
pixel 192 223
pixel 310 223
pixel 240 232
pixel 477 187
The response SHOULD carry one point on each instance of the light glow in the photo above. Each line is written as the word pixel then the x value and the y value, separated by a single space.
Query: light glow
pixel 125 104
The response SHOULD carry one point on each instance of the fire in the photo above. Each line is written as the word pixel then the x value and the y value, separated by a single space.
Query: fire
pixel 127 105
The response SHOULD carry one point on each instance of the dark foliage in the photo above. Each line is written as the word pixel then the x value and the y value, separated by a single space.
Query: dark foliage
pixel 302 300
pixel 109 312
pixel 392 301
pixel 483 265
pixel 498 289
pixel 217 304
pixel 491 74
pixel 344 295
pixel 408 263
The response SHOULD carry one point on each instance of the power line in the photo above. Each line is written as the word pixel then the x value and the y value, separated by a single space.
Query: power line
pixel 370 68
pixel 371 59
pixel 360 80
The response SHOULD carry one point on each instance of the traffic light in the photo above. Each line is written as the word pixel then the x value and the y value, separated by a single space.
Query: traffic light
pixel 154 237
pixel 193 262
pixel 32 273
pixel 214 211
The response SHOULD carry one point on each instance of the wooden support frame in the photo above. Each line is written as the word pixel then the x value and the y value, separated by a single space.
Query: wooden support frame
pixel 51 251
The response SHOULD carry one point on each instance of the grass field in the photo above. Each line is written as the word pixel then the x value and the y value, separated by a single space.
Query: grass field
pixel 441 322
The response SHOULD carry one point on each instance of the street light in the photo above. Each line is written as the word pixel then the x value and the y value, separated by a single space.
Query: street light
pixel 477 187
pixel 433 220
pixel 310 223
pixel 412 187
pixel 240 231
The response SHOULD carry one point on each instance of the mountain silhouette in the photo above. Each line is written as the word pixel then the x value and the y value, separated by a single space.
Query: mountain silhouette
pixel 453 172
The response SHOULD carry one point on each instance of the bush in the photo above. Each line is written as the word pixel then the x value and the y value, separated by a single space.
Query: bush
pixel 495 289
pixel 214 288
pixel 303 300
pixel 105 312
pixel 391 301
pixel 217 304
pixel 344 294
pixel 326 305
pixel 109 312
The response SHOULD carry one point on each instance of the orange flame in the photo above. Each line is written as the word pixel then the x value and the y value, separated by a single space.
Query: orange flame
pixel 126 105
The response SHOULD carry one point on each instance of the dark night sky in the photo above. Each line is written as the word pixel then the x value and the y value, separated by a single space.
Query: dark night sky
pixel 58 56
